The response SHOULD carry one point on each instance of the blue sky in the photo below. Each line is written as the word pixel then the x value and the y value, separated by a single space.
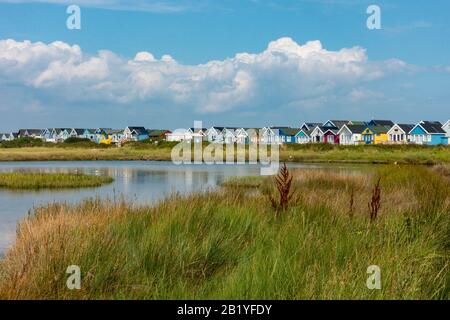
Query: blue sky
pixel 323 62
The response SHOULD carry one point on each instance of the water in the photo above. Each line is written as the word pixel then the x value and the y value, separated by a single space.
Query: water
pixel 137 181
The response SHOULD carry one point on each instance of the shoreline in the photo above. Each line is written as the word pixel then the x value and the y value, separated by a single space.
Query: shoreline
pixel 376 154
pixel 305 161
pixel 308 161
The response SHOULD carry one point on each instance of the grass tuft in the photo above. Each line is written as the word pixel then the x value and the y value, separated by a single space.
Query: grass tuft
pixel 23 180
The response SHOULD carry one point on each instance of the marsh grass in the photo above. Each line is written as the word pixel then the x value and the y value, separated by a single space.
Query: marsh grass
pixel 228 245
pixel 381 154
pixel 408 154
pixel 243 182
pixel 28 180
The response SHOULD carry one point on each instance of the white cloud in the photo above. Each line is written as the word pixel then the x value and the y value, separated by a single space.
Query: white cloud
pixel 144 56
pixel 360 94
pixel 282 74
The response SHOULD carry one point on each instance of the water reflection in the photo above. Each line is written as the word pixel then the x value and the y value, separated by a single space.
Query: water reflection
pixel 136 181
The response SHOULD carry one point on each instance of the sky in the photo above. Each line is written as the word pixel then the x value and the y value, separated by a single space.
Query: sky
pixel 249 63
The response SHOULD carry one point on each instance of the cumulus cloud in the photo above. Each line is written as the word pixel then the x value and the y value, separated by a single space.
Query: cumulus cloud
pixel 282 74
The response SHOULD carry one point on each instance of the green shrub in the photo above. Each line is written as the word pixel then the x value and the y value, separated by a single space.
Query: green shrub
pixel 23 143
pixel 77 140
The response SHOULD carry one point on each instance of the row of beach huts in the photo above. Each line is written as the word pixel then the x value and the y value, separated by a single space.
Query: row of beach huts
pixel 343 132
pixel 99 135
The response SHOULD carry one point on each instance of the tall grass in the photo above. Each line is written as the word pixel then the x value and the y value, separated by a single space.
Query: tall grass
pixel 408 154
pixel 26 180
pixel 228 244
pixel 402 154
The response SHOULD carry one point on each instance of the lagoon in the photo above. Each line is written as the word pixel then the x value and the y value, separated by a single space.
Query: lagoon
pixel 140 182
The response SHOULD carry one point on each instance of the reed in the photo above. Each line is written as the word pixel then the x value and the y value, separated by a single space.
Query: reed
pixel 408 154
pixel 228 244
pixel 375 201
pixel 283 182
pixel 351 202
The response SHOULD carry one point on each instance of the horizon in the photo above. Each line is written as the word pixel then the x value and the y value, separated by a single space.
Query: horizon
pixel 16 130
pixel 165 64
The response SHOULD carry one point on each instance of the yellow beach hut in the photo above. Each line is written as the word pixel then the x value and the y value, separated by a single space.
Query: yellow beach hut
pixel 376 135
